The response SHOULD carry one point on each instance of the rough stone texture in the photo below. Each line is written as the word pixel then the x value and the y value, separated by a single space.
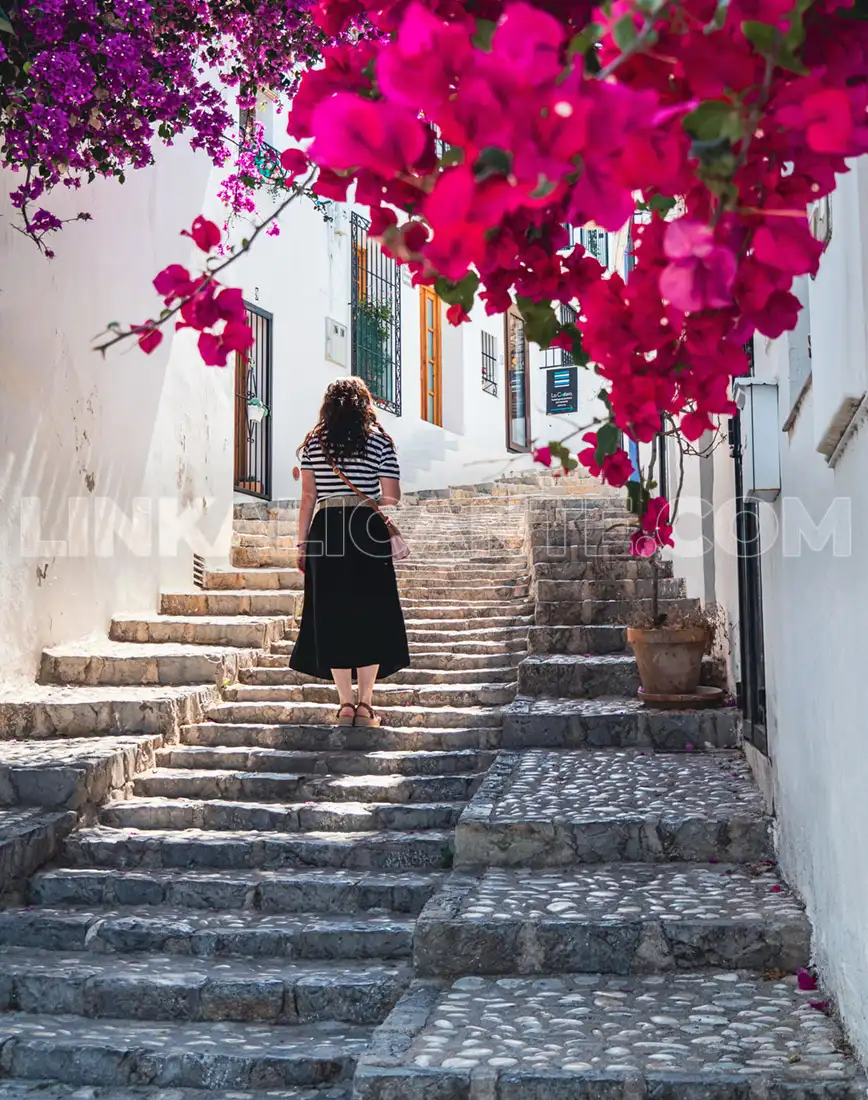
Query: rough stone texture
pixel 99 661
pixel 557 808
pixel 75 775
pixel 74 1050
pixel 696 1036
pixel 226 630
pixel 28 839
pixel 616 918
pixel 46 1090
pixel 602 723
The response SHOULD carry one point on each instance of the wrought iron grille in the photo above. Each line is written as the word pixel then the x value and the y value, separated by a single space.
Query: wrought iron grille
pixel 253 393
pixel 375 311
pixel 489 363
pixel 560 357
pixel 596 242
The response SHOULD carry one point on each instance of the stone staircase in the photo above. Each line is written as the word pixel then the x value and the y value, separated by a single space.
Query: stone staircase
pixel 236 909
pixel 523 886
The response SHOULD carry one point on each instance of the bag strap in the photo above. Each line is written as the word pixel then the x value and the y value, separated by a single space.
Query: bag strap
pixel 368 500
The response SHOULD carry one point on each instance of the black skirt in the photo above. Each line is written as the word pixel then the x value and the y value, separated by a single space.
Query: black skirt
pixel 352 613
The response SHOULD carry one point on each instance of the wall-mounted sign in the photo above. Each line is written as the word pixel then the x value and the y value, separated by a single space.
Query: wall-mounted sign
pixel 562 390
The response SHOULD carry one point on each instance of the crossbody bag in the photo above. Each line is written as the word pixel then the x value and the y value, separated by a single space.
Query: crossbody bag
pixel 400 549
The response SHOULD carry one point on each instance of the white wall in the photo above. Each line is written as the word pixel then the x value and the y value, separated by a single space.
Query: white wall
pixel 81 432
pixel 815 608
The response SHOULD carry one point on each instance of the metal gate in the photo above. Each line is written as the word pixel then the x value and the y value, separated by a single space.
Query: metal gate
pixel 253 399
pixel 752 685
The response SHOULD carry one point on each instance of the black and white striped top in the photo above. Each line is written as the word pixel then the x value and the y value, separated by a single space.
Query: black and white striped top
pixel 364 471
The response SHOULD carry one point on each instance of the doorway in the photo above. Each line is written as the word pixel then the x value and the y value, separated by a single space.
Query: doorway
pixel 518 433
pixel 253 394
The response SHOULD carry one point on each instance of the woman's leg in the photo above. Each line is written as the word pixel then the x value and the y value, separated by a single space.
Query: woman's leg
pixel 367 679
pixel 343 678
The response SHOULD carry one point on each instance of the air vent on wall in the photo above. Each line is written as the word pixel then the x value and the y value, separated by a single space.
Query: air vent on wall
pixel 336 342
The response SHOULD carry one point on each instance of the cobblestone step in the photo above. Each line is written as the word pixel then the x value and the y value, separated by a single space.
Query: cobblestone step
pixel 385 694
pixel 507 610
pixel 269 601
pixel 263 786
pixel 603 612
pixel 578 591
pixel 616 919
pixel 181 932
pixel 322 714
pixel 326 764
pixel 564 676
pixel 418 590
pixel 168 988
pixel 577 640
pixel 605 722
pixel 308 891
pixel 363 851
pixel 542 808
pixel 616 569
pixel 105 662
pixel 226 630
pixel 73 1050
pixel 684 1036
pixel 310 737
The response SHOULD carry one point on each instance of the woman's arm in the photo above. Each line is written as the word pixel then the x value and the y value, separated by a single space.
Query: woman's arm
pixel 305 514
pixel 390 490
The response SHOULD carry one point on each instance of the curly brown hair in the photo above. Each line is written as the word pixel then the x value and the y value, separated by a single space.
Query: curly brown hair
pixel 346 418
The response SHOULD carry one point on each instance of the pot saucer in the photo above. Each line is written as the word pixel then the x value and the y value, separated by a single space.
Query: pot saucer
pixel 703 697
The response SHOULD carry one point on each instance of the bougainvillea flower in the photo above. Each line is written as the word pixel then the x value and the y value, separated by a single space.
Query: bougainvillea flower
pixel 352 132
pixel 617 469
pixel 701 272
pixel 205 234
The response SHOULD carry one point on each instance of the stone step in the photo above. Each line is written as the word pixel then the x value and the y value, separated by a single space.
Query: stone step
pixel 571 676
pixel 323 763
pixel 578 591
pixel 162 987
pixel 279 539
pixel 258 557
pixel 255 892
pixel 259 579
pixel 269 601
pixel 577 640
pixel 220 1055
pixel 40 713
pixel 541 808
pixel 221 815
pixel 439 646
pixel 53 1090
pixel 318 738
pixel 262 786
pixel 482 564
pixel 616 569
pixel 129 930
pixel 432 630
pixel 568 676
pixel 613 723
pixel 419 590
pixel 443 670
pixel 324 715
pixel 385 695
pixel 430 850
pixel 602 612
pixel 222 630
pixel 426 610
pixel 616 919
pixel 694 1035
pixel 101 661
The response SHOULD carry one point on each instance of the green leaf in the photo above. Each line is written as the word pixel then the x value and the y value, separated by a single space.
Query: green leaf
pixel 637 497
pixel 492 162
pixel 453 155
pixel 624 32
pixel 773 44
pixel 714 120
pixel 585 40
pixel 608 438
pixel 580 356
pixel 541 322
pixel 484 34
pixel 462 293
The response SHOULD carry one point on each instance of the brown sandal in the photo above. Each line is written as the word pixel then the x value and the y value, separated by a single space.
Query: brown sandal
pixel 371 720
pixel 342 719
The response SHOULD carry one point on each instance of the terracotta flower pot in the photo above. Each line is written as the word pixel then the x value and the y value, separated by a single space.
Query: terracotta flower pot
pixel 669 660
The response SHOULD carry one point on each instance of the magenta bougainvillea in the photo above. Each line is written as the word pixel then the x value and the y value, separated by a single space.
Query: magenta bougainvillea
pixel 88 86
pixel 479 131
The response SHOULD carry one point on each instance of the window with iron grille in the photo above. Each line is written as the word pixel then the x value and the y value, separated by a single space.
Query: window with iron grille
pixel 559 357
pixel 253 400
pixel 375 317
pixel 596 242
pixel 489 363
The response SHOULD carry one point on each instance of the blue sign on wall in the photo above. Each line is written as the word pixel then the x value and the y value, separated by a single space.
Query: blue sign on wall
pixel 562 390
